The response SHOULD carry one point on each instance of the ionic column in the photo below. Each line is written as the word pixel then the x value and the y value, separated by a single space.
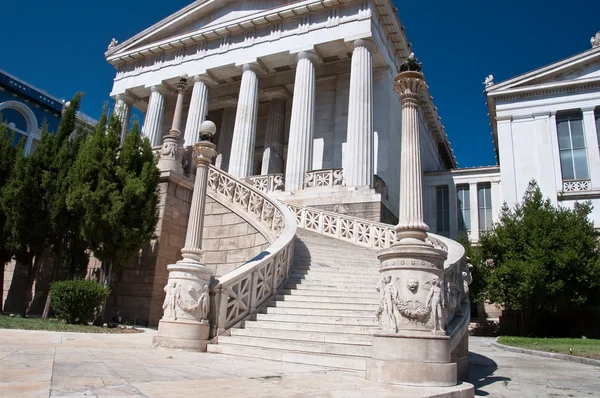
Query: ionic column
pixel 359 167
pixel 123 112
pixel 172 147
pixel 226 134
pixel 273 153
pixel 198 109
pixel 244 132
pixel 154 115
pixel 299 154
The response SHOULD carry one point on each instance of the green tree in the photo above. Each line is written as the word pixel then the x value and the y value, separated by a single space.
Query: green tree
pixel 114 190
pixel 541 258
pixel 8 154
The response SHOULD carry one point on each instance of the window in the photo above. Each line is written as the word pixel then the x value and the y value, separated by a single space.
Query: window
pixel 443 210
pixel 484 199
pixel 464 208
pixel 571 142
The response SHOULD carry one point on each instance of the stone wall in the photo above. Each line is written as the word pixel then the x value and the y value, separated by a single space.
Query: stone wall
pixel 372 211
pixel 228 240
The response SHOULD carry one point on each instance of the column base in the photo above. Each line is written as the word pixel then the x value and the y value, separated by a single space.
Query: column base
pixel 412 359
pixel 183 334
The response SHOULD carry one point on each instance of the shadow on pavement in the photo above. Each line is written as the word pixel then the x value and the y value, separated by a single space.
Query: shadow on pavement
pixel 481 370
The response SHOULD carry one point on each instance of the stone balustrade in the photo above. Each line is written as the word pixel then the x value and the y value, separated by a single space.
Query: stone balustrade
pixel 324 178
pixel 239 293
pixel 374 235
pixel 267 183
pixel 577 185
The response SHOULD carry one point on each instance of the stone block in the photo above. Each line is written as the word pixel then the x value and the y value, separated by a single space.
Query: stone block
pixel 246 241
pixel 231 218
pixel 213 220
pixel 210 244
pixel 260 240
pixel 217 232
pixel 228 243
pixel 223 269
pixel 215 257
pixel 238 229
pixel 218 208
pixel 238 255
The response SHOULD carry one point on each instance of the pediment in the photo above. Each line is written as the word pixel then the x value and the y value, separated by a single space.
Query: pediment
pixel 580 68
pixel 196 16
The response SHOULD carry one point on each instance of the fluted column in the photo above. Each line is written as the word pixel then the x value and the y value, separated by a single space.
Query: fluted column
pixel 273 154
pixel 244 132
pixel 299 154
pixel 123 112
pixel 172 147
pixel 192 251
pixel 359 166
pixel 198 109
pixel 409 86
pixel 226 134
pixel 154 115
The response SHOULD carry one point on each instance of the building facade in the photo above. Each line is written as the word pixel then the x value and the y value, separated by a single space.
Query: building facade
pixel 545 125
pixel 25 108
pixel 300 90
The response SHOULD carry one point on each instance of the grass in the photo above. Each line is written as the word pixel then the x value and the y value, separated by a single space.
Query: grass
pixel 54 325
pixel 587 348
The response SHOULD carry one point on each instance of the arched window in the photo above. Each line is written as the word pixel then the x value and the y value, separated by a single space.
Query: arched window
pixel 22 121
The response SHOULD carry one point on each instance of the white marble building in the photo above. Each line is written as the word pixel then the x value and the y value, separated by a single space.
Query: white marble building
pixel 298 88
pixel 545 125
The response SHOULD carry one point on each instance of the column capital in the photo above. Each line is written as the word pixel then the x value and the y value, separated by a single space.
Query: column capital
pixel 204 79
pixel 160 88
pixel 126 98
pixel 588 109
pixel 254 67
pixel 277 93
pixel 366 43
pixel 410 83
pixel 182 85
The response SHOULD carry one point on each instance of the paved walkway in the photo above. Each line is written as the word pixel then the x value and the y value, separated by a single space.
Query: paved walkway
pixel 48 364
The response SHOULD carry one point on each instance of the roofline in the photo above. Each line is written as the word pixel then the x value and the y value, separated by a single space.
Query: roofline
pixel 31 86
pixel 466 170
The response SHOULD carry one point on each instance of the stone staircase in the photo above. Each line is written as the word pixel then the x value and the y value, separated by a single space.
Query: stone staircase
pixel 325 314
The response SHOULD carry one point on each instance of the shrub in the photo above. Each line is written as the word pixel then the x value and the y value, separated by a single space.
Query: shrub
pixel 75 301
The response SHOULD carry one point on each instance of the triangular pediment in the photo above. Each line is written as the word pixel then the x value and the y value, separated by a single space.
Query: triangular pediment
pixel 197 16
pixel 580 68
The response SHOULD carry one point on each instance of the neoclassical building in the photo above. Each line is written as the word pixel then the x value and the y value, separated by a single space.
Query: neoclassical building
pixel 300 92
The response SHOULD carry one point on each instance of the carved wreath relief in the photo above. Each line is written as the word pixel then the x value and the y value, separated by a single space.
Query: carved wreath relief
pixel 183 300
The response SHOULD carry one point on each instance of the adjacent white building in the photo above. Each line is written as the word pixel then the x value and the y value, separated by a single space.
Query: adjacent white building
pixel 545 125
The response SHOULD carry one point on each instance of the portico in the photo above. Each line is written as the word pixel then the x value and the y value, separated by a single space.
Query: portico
pixel 296 88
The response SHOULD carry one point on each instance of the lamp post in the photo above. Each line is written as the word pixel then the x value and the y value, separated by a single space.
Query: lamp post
pixel 187 302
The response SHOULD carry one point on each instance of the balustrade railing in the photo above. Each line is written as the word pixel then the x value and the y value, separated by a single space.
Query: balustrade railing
pixel 577 185
pixel 267 183
pixel 324 178
pixel 239 293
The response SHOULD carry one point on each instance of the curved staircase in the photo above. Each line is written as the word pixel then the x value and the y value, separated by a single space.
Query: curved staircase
pixel 325 314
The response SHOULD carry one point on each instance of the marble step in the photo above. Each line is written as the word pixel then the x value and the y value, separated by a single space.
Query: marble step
pixel 333 361
pixel 319 293
pixel 325 320
pixel 324 299
pixel 336 272
pixel 345 259
pixel 321 305
pixel 295 284
pixel 320 311
pixel 312 327
pixel 332 279
pixel 315 266
pixel 300 346
pixel 321 336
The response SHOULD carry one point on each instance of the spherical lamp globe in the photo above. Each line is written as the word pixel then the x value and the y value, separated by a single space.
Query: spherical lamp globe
pixel 207 130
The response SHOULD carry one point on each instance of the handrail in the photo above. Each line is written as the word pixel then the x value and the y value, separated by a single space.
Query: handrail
pixel 240 292
pixel 376 235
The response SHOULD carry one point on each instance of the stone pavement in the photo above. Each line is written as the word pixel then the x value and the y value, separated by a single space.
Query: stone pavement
pixel 49 364
pixel 496 373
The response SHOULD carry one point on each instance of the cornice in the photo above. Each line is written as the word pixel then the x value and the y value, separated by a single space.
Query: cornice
pixel 547 89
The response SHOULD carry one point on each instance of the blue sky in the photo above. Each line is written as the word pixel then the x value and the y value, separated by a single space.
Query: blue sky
pixel 59 47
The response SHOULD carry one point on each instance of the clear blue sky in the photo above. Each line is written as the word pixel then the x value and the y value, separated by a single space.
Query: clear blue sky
pixel 58 46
